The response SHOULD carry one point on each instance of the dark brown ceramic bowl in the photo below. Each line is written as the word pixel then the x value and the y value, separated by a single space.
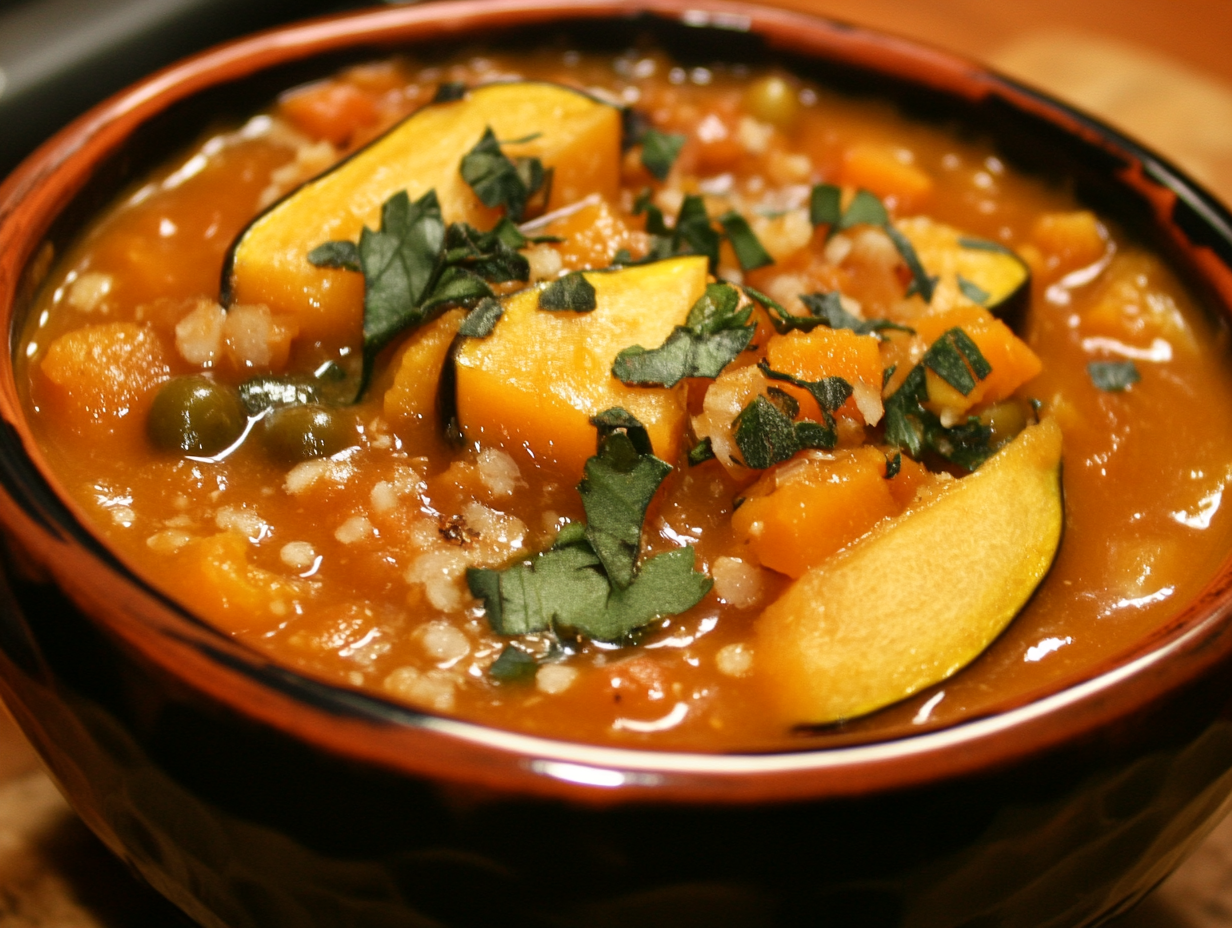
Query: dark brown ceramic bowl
pixel 253 797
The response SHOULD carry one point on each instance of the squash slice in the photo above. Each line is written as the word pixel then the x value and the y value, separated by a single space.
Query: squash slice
pixel 970 269
pixel 575 135
pixel 533 384
pixel 920 596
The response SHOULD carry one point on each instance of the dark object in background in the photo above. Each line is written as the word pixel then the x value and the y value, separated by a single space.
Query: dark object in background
pixel 58 57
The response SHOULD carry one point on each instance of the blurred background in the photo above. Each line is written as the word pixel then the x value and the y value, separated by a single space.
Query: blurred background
pixel 1160 70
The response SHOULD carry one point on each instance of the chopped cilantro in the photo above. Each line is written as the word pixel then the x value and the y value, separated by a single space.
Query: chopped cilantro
pixel 825 205
pixel 700 453
pixel 749 251
pixel 513 666
pixel 499 180
pixel 589 582
pixel 659 151
pixel 1113 376
pixel 481 320
pixel 448 91
pixel 714 333
pixel 974 292
pixel 573 293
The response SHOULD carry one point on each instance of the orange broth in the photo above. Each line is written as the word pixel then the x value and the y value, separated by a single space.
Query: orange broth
pixel 356 577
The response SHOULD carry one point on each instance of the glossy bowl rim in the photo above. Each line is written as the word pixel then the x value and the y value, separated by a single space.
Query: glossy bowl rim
pixel 367 728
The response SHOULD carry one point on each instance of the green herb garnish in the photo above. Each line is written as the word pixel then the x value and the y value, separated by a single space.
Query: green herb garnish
pixel 749 251
pixel 983 244
pixel 590 582
pixel 659 151
pixel 974 292
pixel 714 333
pixel 827 308
pixel 513 666
pixel 826 205
pixel 499 180
pixel 864 209
pixel 700 453
pixel 916 430
pixel 893 466
pixel 692 234
pixel 572 293
pixel 481 320
pixel 1113 376
pixel 414 267
pixel 765 431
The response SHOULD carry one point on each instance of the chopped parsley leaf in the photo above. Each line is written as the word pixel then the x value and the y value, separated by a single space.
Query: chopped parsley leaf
pixel 499 180
pixel 714 333
pixel 1113 376
pixel 749 251
pixel 765 432
pixel 692 234
pixel 589 581
pixel 659 151
pixel 571 293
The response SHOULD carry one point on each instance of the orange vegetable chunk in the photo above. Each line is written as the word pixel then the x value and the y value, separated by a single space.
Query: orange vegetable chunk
pixel 1013 362
pixel 99 374
pixel 881 170
pixel 533 384
pixel 799 514
pixel 330 110
pixel 823 353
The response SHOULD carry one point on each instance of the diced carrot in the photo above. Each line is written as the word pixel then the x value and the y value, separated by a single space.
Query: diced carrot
pixel 101 374
pixel 1073 239
pixel 882 170
pixel 410 403
pixel 329 110
pixel 231 592
pixel 1012 362
pixel 799 514
pixel 825 353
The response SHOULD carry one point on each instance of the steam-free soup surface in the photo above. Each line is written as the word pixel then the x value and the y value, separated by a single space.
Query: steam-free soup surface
pixel 349 561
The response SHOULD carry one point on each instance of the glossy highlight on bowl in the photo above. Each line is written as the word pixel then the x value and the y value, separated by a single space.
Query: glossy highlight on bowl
pixel 250 795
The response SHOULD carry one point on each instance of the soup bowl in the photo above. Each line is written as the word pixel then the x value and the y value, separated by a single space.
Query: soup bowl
pixel 250 795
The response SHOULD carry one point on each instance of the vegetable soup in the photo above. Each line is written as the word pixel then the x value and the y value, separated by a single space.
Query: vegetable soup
pixel 617 401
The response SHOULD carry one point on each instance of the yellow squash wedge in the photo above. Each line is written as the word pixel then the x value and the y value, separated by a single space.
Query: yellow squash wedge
pixel 920 596
pixel 575 135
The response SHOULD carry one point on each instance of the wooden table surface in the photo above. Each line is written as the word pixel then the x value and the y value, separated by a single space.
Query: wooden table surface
pixel 1161 70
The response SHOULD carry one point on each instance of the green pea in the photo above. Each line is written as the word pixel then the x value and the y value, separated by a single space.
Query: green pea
pixel 195 415
pixel 297 433
pixel 772 100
